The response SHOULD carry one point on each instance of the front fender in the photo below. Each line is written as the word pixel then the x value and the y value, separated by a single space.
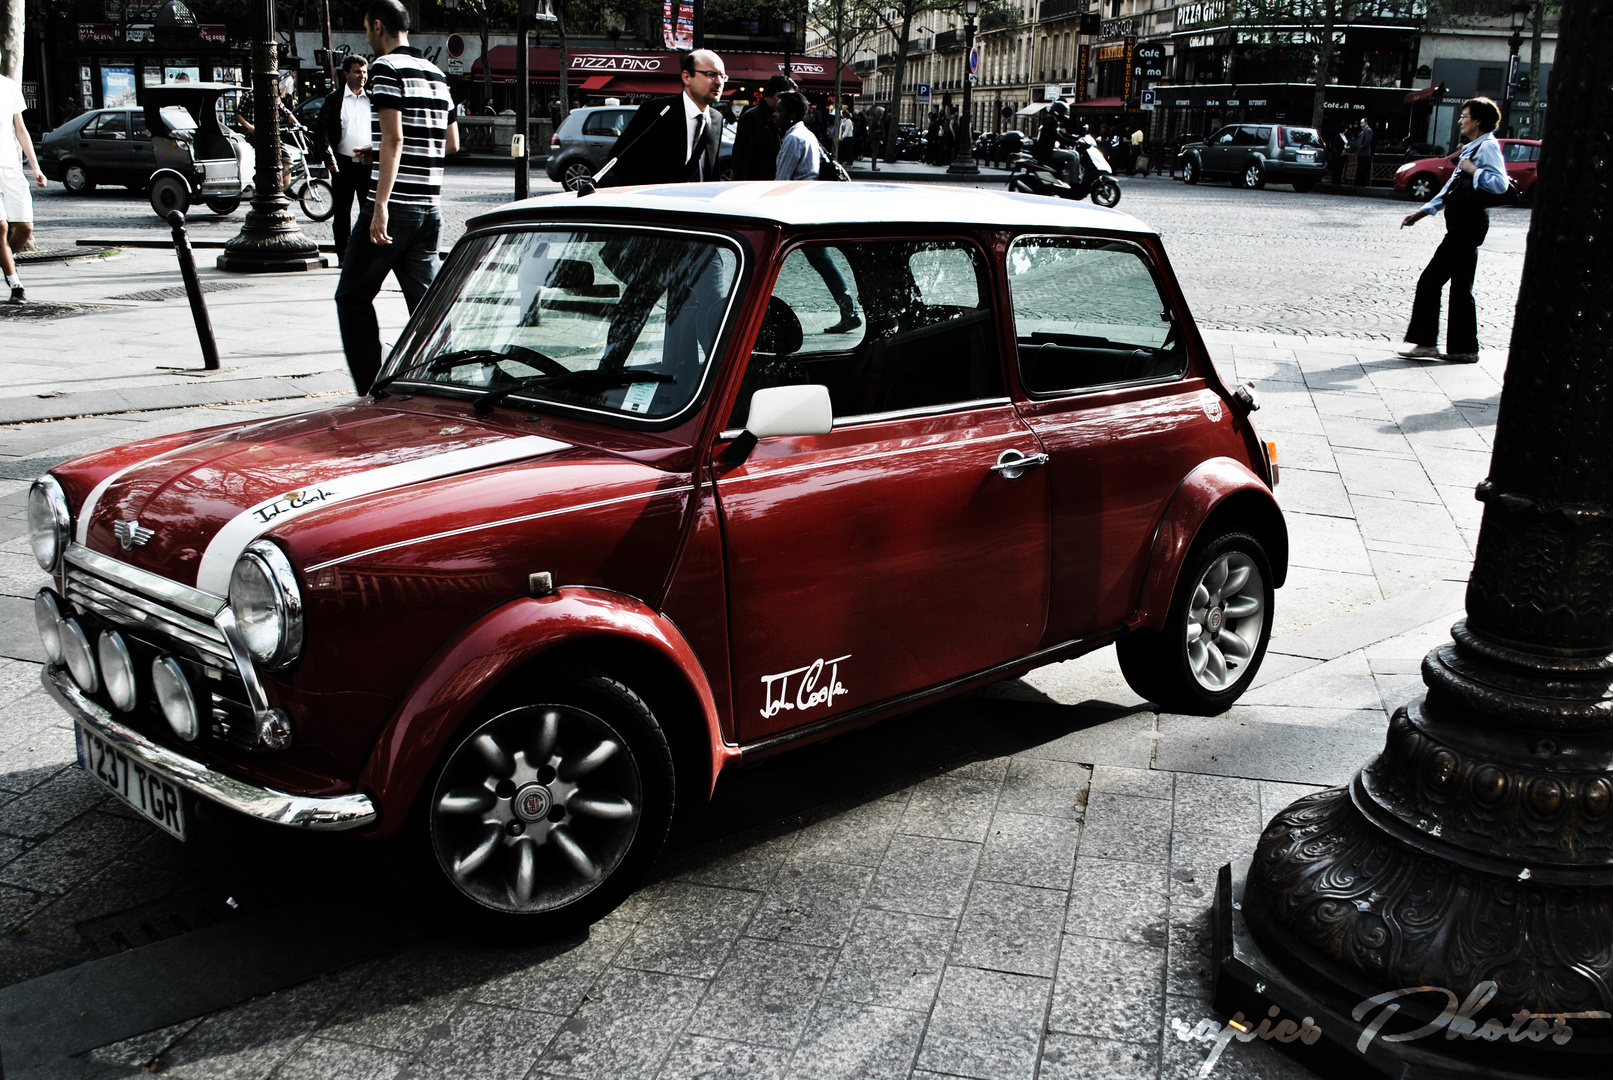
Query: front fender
pixel 1220 491
pixel 494 647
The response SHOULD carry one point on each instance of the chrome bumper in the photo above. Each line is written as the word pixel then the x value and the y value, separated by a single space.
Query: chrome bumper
pixel 323 814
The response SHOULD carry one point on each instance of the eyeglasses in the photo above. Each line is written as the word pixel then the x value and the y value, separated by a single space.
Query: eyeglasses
pixel 718 75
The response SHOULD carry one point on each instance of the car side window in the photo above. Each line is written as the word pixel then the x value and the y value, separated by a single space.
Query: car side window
pixel 611 123
pixel 1088 313
pixel 1223 137
pixel 1262 134
pixel 886 325
pixel 1247 136
pixel 112 125
pixel 140 131
pixel 1517 152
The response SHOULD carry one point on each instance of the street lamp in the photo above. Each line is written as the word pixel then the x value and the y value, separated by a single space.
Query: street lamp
pixel 788 29
pixel 964 162
pixel 1520 13
pixel 270 240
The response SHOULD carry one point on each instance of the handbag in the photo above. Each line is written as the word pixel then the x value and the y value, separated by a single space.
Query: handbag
pixel 1465 194
pixel 830 169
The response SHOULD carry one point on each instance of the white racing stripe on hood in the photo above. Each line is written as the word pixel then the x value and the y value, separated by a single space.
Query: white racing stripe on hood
pixel 227 544
pixel 82 527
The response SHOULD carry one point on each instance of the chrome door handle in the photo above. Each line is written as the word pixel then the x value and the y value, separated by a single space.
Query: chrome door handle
pixel 1012 464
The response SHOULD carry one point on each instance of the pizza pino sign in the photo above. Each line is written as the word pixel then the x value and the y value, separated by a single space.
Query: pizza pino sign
pixel 617 62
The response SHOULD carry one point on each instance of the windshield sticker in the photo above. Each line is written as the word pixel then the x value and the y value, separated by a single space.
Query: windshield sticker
pixel 227 544
pixel 637 398
pixel 818 684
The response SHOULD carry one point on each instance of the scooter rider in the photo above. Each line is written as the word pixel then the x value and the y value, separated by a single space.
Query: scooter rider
pixel 1051 137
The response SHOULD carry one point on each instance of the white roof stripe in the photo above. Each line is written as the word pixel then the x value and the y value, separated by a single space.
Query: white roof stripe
pixel 218 561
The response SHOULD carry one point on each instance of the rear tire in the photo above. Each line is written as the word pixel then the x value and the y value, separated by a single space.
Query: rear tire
pixel 318 200
pixel 1215 634
pixel 224 207
pixel 1254 176
pixel 1106 192
pixel 169 194
pixel 1420 188
pixel 575 173
pixel 1190 171
pixel 547 810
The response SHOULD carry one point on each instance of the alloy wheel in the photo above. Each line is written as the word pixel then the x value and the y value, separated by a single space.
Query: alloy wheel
pixel 1225 619
pixel 536 808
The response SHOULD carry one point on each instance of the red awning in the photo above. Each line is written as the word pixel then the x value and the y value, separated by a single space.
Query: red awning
pixel 1103 104
pixel 659 72
pixel 1424 94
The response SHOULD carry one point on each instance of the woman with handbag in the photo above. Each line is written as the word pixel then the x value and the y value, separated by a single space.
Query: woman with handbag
pixel 1480 181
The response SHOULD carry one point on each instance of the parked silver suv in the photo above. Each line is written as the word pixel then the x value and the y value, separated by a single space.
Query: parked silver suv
pixel 1253 154
pixel 586 136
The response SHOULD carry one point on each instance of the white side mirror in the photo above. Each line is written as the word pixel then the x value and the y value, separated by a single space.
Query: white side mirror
pixel 790 410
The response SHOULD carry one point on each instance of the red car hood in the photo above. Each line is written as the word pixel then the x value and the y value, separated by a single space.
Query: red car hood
pixel 206 501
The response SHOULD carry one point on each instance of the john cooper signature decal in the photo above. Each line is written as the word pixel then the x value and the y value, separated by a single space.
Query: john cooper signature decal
pixel 804 687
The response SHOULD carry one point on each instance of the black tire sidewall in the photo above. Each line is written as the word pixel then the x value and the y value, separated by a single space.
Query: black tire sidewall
pixel 624 711
pixel 1176 680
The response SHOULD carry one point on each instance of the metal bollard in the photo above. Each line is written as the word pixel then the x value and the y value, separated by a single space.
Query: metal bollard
pixel 193 289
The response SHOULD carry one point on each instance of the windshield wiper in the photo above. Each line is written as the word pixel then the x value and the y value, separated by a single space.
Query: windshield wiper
pixel 440 362
pixel 595 379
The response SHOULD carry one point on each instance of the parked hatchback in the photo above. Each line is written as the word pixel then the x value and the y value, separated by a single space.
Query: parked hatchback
pixel 638 500
pixel 584 140
pixel 1253 155
pixel 1422 179
pixel 103 146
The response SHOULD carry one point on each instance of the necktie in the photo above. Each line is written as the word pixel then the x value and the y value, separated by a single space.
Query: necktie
pixel 697 157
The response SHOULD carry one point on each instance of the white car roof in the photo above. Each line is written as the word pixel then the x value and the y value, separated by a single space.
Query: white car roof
pixel 807 203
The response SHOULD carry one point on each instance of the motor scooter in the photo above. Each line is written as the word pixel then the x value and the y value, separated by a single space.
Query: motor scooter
pixel 1034 177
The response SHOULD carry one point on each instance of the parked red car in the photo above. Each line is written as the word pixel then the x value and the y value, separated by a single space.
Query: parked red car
pixel 1422 179
pixel 658 481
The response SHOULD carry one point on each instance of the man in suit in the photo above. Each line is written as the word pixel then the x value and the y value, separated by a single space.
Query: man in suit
pixel 674 140
pixel 756 142
pixel 344 119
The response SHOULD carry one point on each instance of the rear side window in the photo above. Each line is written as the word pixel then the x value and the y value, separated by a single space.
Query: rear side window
pixel 112 125
pixel 1088 313
pixel 612 123
pixel 1518 151
pixel 1248 137
pixel 1302 137
pixel 1262 134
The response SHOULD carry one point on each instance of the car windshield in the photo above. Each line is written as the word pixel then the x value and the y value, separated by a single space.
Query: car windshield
pixel 618 320
pixel 1303 137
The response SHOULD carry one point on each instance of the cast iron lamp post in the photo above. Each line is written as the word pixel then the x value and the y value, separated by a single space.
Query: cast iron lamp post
pixel 964 161
pixel 1471 863
pixel 270 240
pixel 1519 12
pixel 787 28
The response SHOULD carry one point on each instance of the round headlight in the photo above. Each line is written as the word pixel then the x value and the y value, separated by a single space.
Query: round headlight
pixel 117 668
pixel 267 604
pixel 173 694
pixel 80 659
pixel 48 617
pixel 49 521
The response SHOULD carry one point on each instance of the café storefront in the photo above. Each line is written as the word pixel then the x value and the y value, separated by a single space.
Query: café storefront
pixel 1200 109
pixel 633 76
pixel 112 63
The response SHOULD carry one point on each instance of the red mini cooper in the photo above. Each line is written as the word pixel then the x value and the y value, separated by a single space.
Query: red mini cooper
pixel 656 482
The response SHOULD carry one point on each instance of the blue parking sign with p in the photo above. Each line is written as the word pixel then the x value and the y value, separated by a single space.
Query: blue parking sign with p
pixel 923 90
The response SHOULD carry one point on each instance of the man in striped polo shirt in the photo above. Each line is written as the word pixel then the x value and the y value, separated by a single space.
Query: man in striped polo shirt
pixel 412 130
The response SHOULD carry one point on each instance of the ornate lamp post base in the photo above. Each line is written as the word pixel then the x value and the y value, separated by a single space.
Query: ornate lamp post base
pixel 270 242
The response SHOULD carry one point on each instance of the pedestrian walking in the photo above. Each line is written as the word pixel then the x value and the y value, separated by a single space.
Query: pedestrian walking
pixel 1480 168
pixel 1363 154
pixel 876 136
pixel 345 121
pixel 800 157
pixel 756 137
pixel 16 202
pixel 859 134
pixel 673 140
pixel 400 227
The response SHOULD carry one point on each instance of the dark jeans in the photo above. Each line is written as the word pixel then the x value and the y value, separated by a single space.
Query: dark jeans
pixel 350 181
pixel 1363 170
pixel 1455 261
pixel 411 257
pixel 818 258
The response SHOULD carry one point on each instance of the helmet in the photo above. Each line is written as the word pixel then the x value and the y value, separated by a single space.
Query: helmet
pixel 1059 109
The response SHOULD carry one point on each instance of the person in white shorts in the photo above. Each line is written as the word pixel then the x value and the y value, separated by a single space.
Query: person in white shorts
pixel 16 205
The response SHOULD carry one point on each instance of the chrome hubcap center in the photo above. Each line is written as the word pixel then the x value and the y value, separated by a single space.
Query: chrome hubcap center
pixel 1215 620
pixel 532 803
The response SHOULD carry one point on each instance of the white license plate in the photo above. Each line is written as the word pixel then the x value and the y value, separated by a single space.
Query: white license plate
pixel 1307 155
pixel 156 799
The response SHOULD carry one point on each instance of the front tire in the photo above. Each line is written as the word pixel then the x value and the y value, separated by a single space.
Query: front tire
pixel 1215 634
pixel 318 200
pixel 77 179
pixel 1254 176
pixel 1106 192
pixel 169 194
pixel 547 812
pixel 1190 171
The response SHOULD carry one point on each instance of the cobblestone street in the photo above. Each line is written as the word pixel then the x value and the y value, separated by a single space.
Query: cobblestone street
pixel 1011 885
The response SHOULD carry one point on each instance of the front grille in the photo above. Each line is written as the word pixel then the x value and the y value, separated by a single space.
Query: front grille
pixel 150 606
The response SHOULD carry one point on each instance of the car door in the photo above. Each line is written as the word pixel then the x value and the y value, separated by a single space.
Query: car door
pixel 896 552
pixel 142 163
pixel 1101 363
pixel 1218 150
pixel 105 144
